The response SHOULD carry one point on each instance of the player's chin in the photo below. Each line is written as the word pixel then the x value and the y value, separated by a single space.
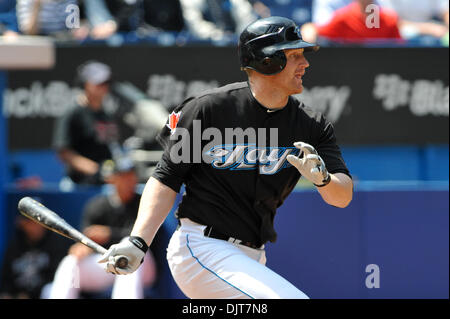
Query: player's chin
pixel 298 89
pixel 298 85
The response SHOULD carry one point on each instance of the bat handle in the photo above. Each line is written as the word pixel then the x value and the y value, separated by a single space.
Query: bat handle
pixel 121 262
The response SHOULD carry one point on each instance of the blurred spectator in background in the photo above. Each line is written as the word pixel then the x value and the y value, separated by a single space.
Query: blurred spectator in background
pixel 430 17
pixel 106 219
pixel 165 15
pixel 107 17
pixel 101 23
pixel 260 8
pixel 356 23
pixel 8 19
pixel 49 17
pixel 214 19
pixel 85 135
pixel 299 10
pixel 416 18
pixel 323 10
pixel 30 260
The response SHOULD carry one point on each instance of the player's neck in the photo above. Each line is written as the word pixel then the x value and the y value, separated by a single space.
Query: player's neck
pixel 93 103
pixel 267 95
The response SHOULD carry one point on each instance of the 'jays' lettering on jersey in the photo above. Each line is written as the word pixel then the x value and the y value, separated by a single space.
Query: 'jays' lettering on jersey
pixel 238 185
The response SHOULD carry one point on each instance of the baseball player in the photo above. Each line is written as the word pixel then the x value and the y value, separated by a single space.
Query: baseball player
pixel 231 194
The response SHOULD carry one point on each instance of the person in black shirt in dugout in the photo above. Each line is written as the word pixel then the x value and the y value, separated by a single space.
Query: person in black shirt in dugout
pixel 84 135
pixel 232 194
pixel 30 260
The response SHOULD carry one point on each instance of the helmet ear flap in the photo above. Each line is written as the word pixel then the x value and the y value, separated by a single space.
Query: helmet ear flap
pixel 246 56
pixel 266 61
pixel 272 64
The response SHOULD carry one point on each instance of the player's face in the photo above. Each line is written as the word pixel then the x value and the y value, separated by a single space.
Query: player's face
pixel 125 184
pixel 96 92
pixel 290 79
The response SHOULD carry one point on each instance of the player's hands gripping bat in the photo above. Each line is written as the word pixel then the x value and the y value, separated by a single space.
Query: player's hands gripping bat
pixel 133 248
pixel 49 219
pixel 311 165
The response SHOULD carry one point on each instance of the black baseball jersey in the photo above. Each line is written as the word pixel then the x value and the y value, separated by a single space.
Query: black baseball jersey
pixel 237 186
pixel 107 210
pixel 30 263
pixel 87 132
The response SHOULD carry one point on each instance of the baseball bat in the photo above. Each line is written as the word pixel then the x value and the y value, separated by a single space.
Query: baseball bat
pixel 42 215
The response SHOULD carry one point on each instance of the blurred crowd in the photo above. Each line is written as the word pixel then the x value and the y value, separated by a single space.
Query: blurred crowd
pixel 181 21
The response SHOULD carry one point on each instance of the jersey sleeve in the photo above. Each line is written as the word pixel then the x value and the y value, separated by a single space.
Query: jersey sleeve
pixel 179 141
pixel 328 149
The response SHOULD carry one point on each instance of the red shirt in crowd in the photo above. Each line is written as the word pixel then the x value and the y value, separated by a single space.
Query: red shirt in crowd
pixel 349 23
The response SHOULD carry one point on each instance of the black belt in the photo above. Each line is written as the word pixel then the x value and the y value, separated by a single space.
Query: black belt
pixel 212 233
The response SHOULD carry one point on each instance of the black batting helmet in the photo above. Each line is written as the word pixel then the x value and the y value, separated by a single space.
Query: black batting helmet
pixel 262 42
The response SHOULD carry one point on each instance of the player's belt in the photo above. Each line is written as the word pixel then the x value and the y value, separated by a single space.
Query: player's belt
pixel 212 233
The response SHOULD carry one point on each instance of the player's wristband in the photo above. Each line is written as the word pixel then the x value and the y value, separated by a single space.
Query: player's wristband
pixel 139 243
pixel 325 182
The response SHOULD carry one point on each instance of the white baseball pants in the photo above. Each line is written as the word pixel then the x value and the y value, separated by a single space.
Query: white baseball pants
pixel 206 268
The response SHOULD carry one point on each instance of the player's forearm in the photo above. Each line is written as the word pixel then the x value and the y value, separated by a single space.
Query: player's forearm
pixel 339 191
pixel 156 202
pixel 78 162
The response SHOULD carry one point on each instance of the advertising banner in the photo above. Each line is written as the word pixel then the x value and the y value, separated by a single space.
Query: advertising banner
pixel 372 95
